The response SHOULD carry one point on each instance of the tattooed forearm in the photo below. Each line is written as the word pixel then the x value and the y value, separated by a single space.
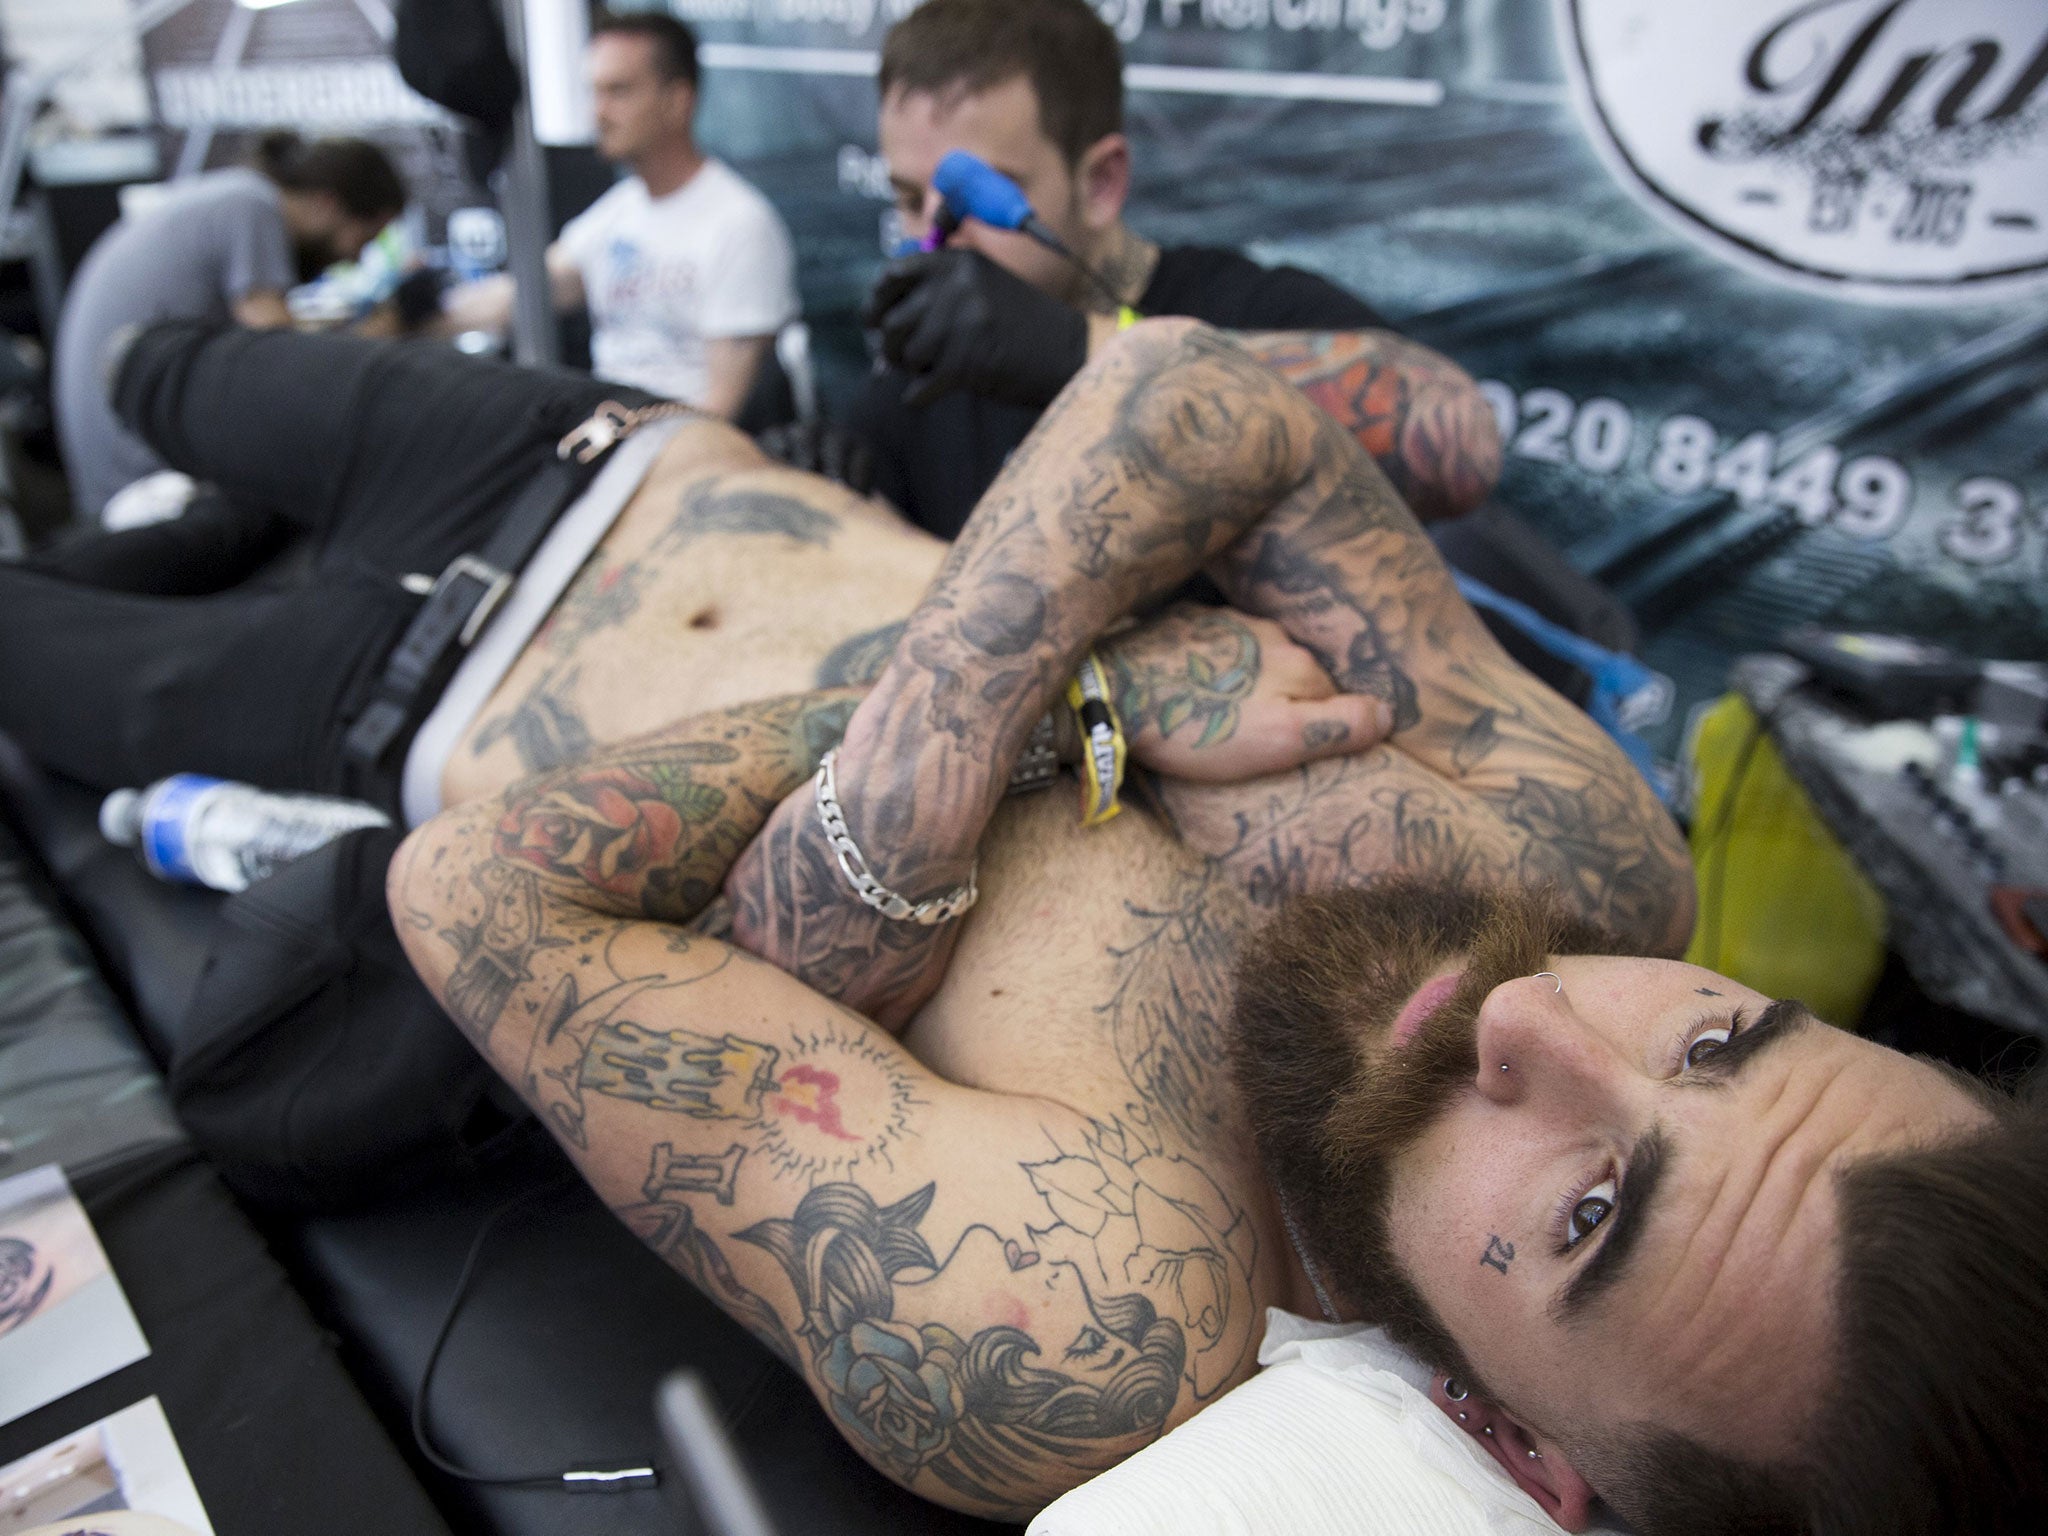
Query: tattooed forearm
pixel 1161 454
pixel 651 827
pixel 1347 572
pixel 1165 449
pixel 1417 413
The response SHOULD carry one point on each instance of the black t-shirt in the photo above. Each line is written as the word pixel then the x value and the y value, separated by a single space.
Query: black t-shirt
pixel 933 462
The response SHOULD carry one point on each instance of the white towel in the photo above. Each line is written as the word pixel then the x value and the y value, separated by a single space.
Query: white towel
pixel 1336 1435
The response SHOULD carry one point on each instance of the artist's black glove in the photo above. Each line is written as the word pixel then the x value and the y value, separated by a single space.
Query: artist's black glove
pixel 824 449
pixel 953 319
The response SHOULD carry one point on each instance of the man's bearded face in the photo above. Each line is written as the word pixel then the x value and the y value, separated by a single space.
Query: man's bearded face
pixel 1606 1196
pixel 1422 957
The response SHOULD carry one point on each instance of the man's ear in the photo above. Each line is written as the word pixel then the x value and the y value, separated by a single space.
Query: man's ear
pixel 1538 1467
pixel 682 103
pixel 1102 181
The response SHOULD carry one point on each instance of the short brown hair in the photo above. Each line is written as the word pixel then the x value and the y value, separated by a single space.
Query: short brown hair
pixel 355 172
pixel 1062 47
pixel 675 45
pixel 1932 1422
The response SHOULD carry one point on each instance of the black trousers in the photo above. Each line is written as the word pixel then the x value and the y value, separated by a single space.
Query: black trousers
pixel 128 656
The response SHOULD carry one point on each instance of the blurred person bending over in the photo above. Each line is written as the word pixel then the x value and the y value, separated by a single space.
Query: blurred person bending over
pixel 224 245
pixel 984 332
pixel 687 270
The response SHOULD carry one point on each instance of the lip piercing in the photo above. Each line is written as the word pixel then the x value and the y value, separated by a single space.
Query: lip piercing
pixel 1487 1431
pixel 1535 1455
pixel 1503 1066
pixel 1555 978
pixel 1453 1391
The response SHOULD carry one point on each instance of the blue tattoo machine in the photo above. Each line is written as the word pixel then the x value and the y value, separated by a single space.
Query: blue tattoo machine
pixel 971 188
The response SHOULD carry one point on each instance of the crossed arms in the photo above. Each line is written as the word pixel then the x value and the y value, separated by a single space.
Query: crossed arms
pixel 994 1295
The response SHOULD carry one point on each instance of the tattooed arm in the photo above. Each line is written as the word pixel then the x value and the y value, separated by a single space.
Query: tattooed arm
pixel 1415 411
pixel 1489 775
pixel 1166 448
pixel 994 1297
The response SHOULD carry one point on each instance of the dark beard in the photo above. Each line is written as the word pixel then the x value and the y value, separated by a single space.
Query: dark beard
pixel 1331 1102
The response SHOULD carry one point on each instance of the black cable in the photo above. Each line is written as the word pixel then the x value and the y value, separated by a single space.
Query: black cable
pixel 1038 230
pixel 574 1479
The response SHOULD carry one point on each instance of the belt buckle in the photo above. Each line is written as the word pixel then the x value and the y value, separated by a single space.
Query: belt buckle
pixel 496 584
pixel 596 434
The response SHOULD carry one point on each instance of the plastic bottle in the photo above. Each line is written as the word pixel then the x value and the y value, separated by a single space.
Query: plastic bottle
pixel 207 831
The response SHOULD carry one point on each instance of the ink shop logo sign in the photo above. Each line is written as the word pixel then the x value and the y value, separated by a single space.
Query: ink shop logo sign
pixel 1894 150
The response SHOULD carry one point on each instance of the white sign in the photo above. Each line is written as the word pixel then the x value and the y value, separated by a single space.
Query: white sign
pixel 1894 150
pixel 343 94
pixel 91 50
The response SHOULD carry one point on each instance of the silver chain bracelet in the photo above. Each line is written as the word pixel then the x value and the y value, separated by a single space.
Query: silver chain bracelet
pixel 940 909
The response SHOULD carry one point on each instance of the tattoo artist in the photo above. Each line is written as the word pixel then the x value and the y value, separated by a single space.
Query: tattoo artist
pixel 984 327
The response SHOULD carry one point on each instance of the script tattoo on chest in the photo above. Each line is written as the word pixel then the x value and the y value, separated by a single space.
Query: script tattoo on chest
pixel 1170 1013
pixel 713 507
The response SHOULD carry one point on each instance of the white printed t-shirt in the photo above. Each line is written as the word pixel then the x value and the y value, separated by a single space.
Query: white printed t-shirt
pixel 663 276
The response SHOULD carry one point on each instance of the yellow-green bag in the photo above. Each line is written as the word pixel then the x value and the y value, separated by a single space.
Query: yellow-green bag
pixel 1783 907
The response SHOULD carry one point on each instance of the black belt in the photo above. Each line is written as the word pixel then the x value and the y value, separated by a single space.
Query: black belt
pixel 468 592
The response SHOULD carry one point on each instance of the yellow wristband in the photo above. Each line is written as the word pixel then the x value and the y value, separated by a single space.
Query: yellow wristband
pixel 1126 317
pixel 1102 742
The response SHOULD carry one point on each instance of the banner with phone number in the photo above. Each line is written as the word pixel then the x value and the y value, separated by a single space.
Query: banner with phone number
pixel 1755 289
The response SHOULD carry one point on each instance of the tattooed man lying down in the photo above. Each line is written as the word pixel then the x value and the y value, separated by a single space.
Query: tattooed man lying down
pixel 987 1184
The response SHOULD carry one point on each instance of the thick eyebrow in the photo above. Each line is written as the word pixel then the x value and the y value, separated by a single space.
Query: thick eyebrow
pixel 1622 1232
pixel 1779 1022
pixel 1635 1199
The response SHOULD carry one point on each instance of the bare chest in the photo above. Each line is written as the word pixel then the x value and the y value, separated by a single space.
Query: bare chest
pixel 706 593
pixel 1096 971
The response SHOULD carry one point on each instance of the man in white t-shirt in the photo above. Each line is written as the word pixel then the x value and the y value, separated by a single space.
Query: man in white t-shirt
pixel 687 270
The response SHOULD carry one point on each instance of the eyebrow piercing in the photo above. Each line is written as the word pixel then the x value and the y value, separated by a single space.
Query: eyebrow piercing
pixel 1557 980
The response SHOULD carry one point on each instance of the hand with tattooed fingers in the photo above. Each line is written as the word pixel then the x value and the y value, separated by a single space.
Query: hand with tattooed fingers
pixel 1219 697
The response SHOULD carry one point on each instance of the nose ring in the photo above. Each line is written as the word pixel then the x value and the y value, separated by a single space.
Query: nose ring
pixel 1556 980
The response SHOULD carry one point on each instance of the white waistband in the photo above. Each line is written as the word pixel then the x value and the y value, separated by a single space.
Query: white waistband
pixel 553 566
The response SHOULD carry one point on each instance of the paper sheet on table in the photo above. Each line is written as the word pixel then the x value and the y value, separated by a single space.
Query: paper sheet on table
pixel 64 1321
